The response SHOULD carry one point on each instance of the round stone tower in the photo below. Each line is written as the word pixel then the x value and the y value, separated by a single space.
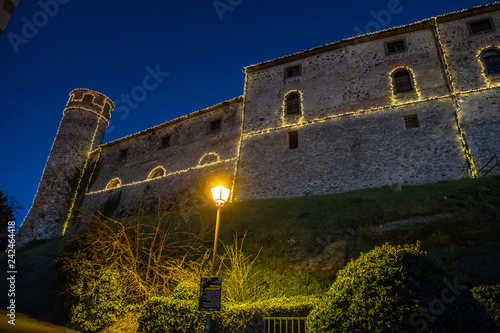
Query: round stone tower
pixel 81 130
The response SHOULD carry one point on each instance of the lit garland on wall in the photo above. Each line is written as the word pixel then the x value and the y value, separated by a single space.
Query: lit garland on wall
pixel 154 173
pixel 114 183
pixel 456 102
pixel 352 113
pixel 484 71
pixel 413 79
pixel 167 175
pixel 209 154
pixel 105 100
pixel 89 156
pixel 286 117
pixel 238 149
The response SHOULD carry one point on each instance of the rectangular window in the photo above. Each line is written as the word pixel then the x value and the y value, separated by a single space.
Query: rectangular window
pixel 215 125
pixel 411 121
pixel 293 71
pixel 123 154
pixel 395 47
pixel 293 140
pixel 481 26
pixel 165 141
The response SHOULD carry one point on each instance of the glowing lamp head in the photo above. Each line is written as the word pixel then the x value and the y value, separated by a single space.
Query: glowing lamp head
pixel 220 195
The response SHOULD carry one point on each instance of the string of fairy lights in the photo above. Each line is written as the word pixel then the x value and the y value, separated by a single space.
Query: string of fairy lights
pixel 166 175
pixel 73 201
pixel 394 96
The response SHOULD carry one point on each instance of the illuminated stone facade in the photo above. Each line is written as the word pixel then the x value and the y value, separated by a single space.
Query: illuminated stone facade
pixel 408 105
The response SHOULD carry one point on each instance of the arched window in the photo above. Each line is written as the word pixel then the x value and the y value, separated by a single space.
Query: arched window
pixel 491 60
pixel 114 183
pixel 402 81
pixel 292 103
pixel 157 172
pixel 88 98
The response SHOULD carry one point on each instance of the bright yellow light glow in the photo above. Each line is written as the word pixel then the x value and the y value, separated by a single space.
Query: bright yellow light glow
pixel 157 172
pixel 220 195
pixel 114 183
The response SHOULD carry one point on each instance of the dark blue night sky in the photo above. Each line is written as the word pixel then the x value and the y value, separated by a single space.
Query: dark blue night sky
pixel 197 49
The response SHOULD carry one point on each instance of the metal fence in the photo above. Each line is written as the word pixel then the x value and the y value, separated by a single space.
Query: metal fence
pixel 285 324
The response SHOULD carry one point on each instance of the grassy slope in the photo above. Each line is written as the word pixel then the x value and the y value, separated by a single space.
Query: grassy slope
pixel 467 244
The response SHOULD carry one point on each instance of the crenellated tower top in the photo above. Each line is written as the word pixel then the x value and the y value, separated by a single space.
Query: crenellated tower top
pixel 91 101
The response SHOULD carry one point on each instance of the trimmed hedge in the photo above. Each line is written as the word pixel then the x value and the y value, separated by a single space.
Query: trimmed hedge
pixel 248 317
pixel 395 289
pixel 170 315
pixel 489 297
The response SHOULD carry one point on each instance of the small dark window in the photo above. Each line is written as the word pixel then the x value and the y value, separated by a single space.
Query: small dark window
pixel 491 60
pixel 477 27
pixel 411 121
pixel 123 154
pixel 395 47
pixel 293 140
pixel 88 98
pixel 402 81
pixel 292 104
pixel 293 71
pixel 215 125
pixel 165 141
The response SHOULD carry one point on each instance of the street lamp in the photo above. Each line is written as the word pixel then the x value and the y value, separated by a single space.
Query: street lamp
pixel 220 195
pixel 210 289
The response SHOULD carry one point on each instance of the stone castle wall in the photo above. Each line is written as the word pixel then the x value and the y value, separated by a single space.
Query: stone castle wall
pixel 353 130
pixel 195 158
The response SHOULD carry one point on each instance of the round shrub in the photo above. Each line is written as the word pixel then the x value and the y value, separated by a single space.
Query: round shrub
pixel 187 290
pixel 396 289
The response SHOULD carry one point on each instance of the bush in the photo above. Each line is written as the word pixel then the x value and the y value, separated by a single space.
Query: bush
pixel 93 293
pixel 187 290
pixel 170 315
pixel 489 297
pixel 393 289
pixel 166 315
pixel 249 317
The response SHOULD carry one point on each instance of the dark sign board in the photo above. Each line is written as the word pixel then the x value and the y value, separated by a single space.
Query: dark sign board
pixel 210 292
